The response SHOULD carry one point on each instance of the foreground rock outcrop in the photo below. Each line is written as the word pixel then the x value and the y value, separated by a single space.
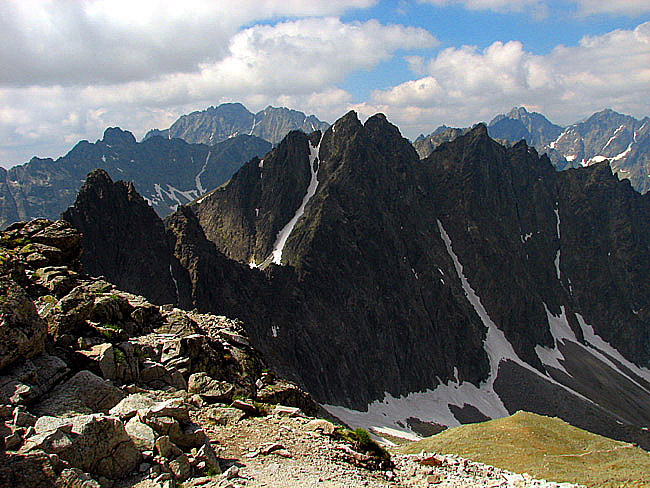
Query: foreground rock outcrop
pixel 99 385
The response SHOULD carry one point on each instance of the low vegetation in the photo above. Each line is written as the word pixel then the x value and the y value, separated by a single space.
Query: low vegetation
pixel 544 447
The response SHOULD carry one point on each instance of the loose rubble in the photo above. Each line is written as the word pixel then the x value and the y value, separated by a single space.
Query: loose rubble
pixel 100 388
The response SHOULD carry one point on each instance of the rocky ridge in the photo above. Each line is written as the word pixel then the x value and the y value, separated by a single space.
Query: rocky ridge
pixel 167 172
pixel 216 124
pixel 606 135
pixel 97 384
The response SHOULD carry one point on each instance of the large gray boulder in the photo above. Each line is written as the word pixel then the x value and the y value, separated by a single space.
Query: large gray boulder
pixel 22 331
pixel 96 443
pixel 84 393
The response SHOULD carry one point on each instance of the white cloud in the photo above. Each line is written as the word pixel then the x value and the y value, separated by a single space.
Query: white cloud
pixel 623 7
pixel 465 85
pixel 297 63
pixel 110 41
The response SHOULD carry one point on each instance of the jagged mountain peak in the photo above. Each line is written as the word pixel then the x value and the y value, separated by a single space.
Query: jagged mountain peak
pixel 116 136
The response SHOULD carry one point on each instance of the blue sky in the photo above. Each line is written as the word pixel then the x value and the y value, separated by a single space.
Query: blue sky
pixel 73 68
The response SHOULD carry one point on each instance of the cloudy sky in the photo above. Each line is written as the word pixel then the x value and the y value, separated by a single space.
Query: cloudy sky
pixel 69 69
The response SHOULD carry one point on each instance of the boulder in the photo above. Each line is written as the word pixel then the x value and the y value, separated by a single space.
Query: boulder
pixel 84 393
pixel 181 468
pixel 75 478
pixel 27 380
pixel 209 388
pixel 141 434
pixel 285 393
pixel 22 331
pixel 95 443
pixel 130 405
pixel 33 471
pixel 60 235
pixel 166 448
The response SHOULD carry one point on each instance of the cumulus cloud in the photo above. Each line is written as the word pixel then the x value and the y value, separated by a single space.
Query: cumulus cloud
pixel 110 41
pixel 298 63
pixel 465 85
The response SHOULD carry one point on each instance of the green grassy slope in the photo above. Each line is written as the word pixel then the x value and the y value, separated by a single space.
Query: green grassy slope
pixel 546 448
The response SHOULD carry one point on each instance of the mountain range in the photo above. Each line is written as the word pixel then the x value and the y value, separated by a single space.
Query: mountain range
pixel 409 294
pixel 607 135
pixel 216 124
pixel 198 153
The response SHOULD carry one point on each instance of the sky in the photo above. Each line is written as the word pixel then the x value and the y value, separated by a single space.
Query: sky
pixel 70 69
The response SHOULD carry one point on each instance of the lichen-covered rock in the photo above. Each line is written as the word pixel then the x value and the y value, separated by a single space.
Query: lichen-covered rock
pixel 22 331
pixel 84 393
pixel 141 434
pixel 28 380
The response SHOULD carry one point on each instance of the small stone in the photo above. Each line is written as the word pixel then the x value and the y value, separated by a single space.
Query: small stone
pixel 144 467
pixel 270 447
pixel 284 411
pixel 166 448
pixel 249 408
pixel 181 467
pixel 13 441
pixel 231 473
pixel 322 425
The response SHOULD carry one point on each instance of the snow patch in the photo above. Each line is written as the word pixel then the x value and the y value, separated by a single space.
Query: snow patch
pixel 561 331
pixel 597 159
pixel 197 178
pixel 624 154
pixel 570 158
pixel 103 158
pixel 283 235
pixel 433 405
pixel 612 138
pixel 119 169
pixel 274 330
pixel 524 238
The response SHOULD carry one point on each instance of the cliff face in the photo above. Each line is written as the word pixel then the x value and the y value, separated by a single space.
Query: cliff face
pixel 478 279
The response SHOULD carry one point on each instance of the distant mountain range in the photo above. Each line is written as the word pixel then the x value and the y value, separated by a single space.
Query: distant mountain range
pixel 228 120
pixel 197 153
pixel 167 172
pixel 607 135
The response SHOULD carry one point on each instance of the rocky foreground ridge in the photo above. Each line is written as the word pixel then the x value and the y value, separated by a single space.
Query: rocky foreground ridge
pixel 98 387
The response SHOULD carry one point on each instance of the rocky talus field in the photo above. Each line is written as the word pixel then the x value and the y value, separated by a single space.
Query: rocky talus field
pixel 101 388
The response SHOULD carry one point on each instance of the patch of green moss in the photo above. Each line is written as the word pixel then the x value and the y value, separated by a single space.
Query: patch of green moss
pixel 362 442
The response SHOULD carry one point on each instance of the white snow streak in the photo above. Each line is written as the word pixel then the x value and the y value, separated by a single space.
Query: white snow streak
pixel 570 158
pixel 254 124
pixel 596 345
pixel 283 235
pixel 433 405
pixel 612 138
pixel 197 178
